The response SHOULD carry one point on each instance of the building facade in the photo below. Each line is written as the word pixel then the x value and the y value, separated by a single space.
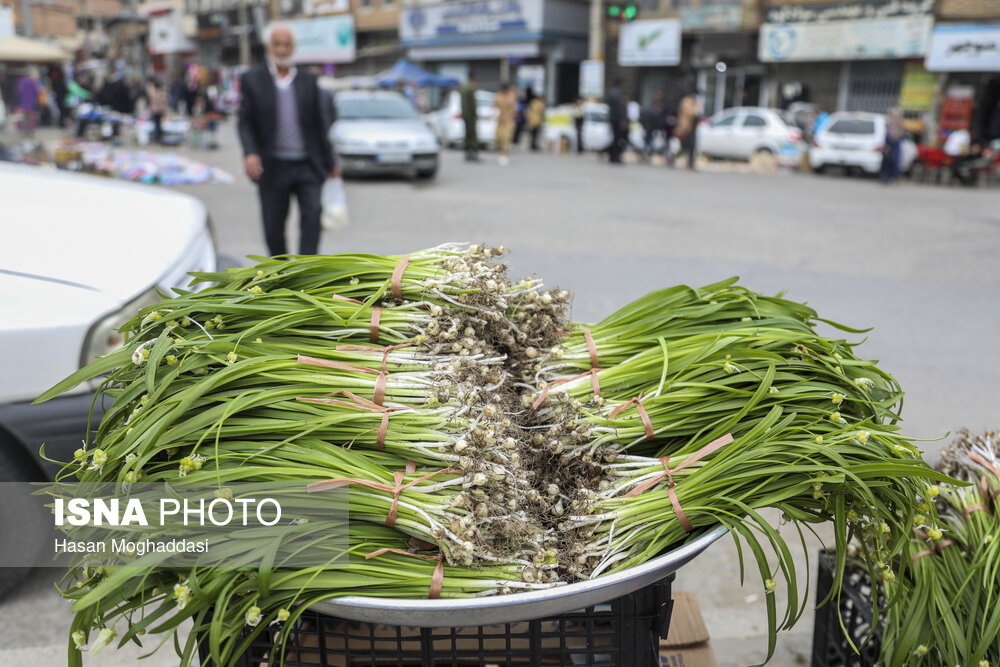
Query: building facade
pixel 964 54
pixel 537 43
pixel 848 55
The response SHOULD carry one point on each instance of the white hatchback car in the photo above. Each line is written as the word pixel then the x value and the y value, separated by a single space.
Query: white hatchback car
pixel 446 121
pixel 379 132
pixel 80 255
pixel 741 132
pixel 854 140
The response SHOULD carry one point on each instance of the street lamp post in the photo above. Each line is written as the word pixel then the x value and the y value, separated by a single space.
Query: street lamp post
pixel 596 50
pixel 26 25
pixel 244 35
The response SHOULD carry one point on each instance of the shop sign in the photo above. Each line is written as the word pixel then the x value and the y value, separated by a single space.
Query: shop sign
pixel 226 26
pixel 964 47
pixel 819 12
pixel 845 40
pixel 917 90
pixel 454 21
pixel 322 7
pixel 210 26
pixel 652 42
pixel 592 78
pixel 718 18
pixel 329 39
pixel 6 22
pixel 166 34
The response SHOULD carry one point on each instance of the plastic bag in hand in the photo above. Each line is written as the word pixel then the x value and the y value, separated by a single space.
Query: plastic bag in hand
pixel 334 204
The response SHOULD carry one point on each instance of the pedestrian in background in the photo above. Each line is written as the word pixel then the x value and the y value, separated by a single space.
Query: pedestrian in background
pixel 993 129
pixel 156 99
pixel 653 119
pixel 618 120
pixel 669 135
pixel 688 117
pixel 29 92
pixel 892 149
pixel 536 118
pixel 519 117
pixel 822 118
pixel 285 147
pixel 57 79
pixel 470 117
pixel 506 103
pixel 577 112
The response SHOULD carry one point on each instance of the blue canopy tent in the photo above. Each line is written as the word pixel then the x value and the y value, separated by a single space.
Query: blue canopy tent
pixel 404 72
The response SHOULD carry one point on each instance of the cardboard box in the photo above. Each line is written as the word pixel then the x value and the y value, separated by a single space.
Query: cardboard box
pixel 687 643
pixel 686 646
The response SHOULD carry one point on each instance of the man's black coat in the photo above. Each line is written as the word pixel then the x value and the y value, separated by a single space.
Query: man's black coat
pixel 259 115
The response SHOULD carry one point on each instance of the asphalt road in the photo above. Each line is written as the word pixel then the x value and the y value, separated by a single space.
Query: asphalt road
pixel 919 264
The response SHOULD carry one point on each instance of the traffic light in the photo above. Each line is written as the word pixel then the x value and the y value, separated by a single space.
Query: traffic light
pixel 623 12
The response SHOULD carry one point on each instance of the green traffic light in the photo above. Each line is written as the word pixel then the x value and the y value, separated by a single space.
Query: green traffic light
pixel 630 12
pixel 614 11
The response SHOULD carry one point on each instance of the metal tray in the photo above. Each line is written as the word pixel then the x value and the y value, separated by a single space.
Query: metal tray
pixel 517 606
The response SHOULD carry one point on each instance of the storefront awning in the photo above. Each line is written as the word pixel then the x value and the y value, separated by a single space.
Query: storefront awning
pixel 22 49
pixel 475 51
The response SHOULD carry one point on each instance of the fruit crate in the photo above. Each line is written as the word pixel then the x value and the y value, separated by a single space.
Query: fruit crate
pixel 830 645
pixel 624 632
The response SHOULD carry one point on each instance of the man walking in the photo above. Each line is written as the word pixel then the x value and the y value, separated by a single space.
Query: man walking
pixel 688 117
pixel 618 119
pixel 467 94
pixel 506 103
pixel 284 141
pixel 536 117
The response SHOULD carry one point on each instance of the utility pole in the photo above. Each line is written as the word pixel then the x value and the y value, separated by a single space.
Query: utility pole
pixel 244 35
pixel 596 50
pixel 26 25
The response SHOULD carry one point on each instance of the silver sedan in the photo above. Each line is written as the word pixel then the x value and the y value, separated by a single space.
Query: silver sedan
pixel 381 132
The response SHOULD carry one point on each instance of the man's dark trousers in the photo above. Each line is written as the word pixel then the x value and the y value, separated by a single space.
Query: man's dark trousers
pixel 279 182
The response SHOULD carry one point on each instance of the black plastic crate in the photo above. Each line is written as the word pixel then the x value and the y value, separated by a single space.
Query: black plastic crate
pixel 830 645
pixel 624 632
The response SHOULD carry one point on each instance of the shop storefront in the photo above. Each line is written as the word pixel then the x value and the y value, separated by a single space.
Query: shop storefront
pixel 842 55
pixel 712 48
pixel 218 35
pixel 647 55
pixel 722 48
pixel 967 56
pixel 168 46
pixel 493 39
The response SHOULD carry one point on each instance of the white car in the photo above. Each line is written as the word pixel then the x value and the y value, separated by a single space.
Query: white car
pixel 379 132
pixel 742 132
pixel 80 255
pixel 854 140
pixel 447 124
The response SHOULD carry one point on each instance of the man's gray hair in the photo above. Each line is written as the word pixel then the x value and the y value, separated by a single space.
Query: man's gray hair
pixel 271 27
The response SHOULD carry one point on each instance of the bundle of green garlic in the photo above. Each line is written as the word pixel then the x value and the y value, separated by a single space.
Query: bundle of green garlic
pixel 490 444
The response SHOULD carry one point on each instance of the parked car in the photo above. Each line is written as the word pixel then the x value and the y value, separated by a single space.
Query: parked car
pixel 380 132
pixel 446 121
pixel 80 255
pixel 854 140
pixel 742 132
